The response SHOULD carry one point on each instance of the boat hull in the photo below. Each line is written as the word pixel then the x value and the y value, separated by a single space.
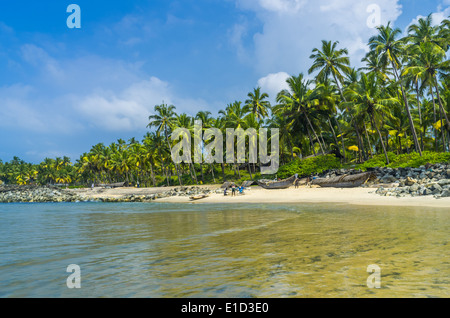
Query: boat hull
pixel 344 181
pixel 282 184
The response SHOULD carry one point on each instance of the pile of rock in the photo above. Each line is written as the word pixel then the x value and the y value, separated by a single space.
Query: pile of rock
pixel 181 191
pixel 31 193
pixel 425 180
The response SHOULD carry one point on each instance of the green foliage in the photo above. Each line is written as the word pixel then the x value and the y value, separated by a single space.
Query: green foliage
pixel 413 160
pixel 309 166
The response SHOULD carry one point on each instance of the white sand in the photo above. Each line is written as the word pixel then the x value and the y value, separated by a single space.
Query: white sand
pixel 359 196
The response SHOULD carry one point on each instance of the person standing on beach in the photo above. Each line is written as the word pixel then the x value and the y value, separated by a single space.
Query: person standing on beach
pixel 233 190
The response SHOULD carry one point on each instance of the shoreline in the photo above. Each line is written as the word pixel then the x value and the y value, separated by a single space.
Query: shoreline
pixel 256 194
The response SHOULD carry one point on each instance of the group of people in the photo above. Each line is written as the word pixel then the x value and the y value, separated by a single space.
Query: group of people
pixel 234 189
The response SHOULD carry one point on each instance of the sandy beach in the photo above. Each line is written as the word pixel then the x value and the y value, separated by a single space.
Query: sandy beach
pixel 303 194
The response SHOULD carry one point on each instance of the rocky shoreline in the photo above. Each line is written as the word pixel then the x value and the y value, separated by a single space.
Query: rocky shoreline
pixel 32 193
pixel 430 180
pixel 185 191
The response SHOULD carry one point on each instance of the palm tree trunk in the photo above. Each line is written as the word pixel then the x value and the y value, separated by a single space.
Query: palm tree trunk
pixel 408 112
pixel 406 143
pixel 212 172
pixel 166 173
pixel 342 138
pixel 442 111
pixel 420 113
pixel 434 120
pixel 152 174
pixel 368 141
pixel 203 176
pixel 311 142
pixel 249 170
pixel 381 138
pixel 333 132
pixel 442 131
pixel 351 115
pixel 223 171
pixel 323 141
pixel 314 132
pixel 192 169
pixel 170 148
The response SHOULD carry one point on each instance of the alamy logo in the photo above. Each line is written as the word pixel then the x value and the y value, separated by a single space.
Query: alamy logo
pixel 374 279
pixel 74 279
pixel 74 20
pixel 213 150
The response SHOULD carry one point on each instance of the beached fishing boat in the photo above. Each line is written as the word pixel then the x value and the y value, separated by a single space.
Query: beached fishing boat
pixel 344 181
pixel 111 185
pixel 282 184
pixel 198 197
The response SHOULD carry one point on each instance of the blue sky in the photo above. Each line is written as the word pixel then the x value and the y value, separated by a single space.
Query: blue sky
pixel 63 90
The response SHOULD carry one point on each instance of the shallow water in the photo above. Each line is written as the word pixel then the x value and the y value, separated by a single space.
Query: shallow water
pixel 203 250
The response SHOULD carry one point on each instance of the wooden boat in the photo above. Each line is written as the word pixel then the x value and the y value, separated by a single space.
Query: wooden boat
pixel 282 184
pixel 247 183
pixel 227 184
pixel 197 197
pixel 344 181
pixel 111 185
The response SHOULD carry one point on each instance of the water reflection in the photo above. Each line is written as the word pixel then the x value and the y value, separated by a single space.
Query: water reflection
pixel 165 250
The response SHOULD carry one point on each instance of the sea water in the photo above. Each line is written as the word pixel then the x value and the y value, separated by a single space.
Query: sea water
pixel 229 250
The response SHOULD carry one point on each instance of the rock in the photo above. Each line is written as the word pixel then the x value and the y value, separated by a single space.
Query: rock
pixel 445 193
pixel 414 188
pixel 444 182
pixel 387 178
pixel 435 186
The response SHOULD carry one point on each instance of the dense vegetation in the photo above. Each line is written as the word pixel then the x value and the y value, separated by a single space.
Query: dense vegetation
pixel 393 111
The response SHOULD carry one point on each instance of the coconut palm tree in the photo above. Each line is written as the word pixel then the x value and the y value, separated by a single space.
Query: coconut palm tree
pixel 390 49
pixel 163 119
pixel 366 97
pixel 427 61
pixel 257 104
pixel 330 61
pixel 296 102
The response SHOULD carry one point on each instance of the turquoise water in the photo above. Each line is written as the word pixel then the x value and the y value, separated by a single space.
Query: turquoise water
pixel 205 250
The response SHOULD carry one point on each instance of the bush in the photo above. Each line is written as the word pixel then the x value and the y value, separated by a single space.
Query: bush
pixel 413 160
pixel 309 166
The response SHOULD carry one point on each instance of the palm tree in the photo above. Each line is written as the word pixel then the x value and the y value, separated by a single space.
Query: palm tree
pixel 366 97
pixel 234 117
pixel 257 104
pixel 163 119
pixel 326 98
pixel 296 102
pixel 423 32
pixel 336 63
pixel 390 50
pixel 427 61
pixel 330 62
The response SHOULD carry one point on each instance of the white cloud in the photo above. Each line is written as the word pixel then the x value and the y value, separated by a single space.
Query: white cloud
pixel 126 110
pixel 291 29
pixel 437 17
pixel 273 83
pixel 90 92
